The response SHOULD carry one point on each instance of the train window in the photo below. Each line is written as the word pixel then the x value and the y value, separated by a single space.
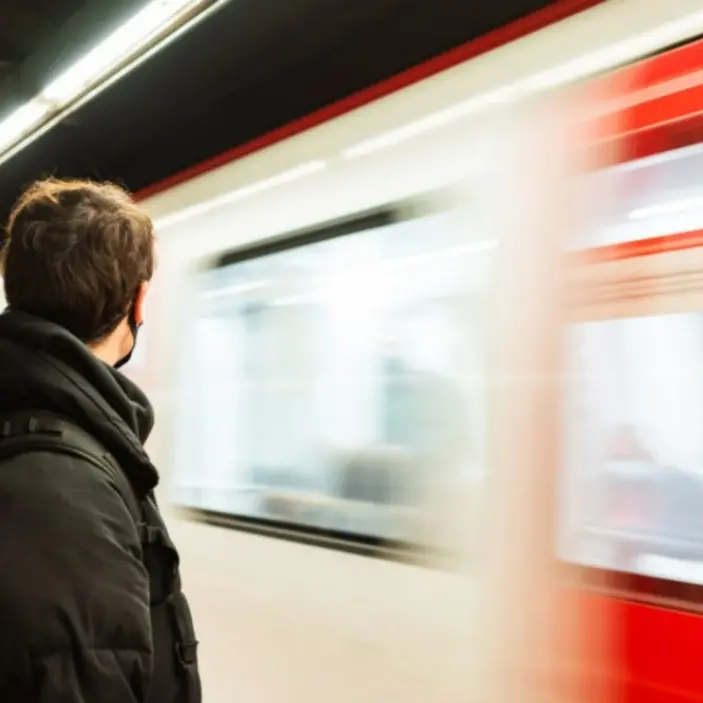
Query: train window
pixel 632 473
pixel 635 447
pixel 651 197
pixel 338 385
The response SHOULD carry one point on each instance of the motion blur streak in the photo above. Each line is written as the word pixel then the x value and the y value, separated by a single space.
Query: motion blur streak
pixel 475 356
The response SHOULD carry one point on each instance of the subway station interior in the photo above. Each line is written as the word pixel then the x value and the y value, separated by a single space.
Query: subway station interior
pixel 393 238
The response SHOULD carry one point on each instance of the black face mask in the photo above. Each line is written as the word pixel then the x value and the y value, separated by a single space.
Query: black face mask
pixel 134 329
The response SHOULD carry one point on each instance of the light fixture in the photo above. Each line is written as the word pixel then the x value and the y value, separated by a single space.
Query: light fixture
pixel 22 120
pixel 157 23
pixel 293 174
pixel 150 21
pixel 622 52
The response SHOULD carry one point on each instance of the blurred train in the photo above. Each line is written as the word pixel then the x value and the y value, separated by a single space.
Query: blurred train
pixel 427 374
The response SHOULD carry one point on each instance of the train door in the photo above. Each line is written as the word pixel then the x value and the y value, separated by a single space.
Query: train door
pixel 628 467
pixel 537 645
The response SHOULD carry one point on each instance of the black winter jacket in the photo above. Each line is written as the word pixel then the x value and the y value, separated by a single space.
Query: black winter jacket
pixel 90 603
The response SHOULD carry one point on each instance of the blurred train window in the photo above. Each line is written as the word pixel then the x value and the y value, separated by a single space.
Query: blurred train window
pixel 635 446
pixel 651 197
pixel 338 385
pixel 632 474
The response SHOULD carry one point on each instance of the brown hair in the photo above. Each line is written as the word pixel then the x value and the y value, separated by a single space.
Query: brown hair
pixel 76 253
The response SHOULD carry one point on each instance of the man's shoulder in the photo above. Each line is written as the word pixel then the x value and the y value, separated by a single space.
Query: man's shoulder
pixel 55 456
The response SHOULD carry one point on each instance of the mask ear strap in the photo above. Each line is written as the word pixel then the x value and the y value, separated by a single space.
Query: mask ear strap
pixel 134 329
pixel 132 321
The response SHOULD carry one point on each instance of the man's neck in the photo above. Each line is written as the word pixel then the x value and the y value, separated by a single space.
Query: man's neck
pixel 107 350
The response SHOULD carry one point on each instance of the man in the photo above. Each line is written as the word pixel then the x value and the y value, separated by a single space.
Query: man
pixel 91 608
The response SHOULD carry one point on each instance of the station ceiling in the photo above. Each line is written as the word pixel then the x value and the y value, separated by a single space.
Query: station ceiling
pixel 252 66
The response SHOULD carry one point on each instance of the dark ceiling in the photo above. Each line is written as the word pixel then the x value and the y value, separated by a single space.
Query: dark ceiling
pixel 25 26
pixel 252 66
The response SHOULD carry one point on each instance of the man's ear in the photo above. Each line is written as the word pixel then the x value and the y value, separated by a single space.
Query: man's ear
pixel 139 303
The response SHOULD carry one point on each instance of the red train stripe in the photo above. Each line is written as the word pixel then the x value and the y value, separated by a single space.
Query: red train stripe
pixel 643 247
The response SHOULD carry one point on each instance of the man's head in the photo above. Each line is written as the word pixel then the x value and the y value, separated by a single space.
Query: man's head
pixel 80 254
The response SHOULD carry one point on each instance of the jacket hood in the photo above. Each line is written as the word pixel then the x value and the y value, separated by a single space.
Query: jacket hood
pixel 43 367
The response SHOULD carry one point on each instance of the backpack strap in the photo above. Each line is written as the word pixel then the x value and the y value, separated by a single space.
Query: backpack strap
pixel 31 431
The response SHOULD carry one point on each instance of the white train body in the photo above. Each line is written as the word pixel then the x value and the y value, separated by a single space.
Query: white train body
pixel 284 621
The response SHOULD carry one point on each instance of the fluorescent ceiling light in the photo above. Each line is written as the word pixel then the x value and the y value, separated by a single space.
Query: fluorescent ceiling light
pixel 303 170
pixel 22 120
pixel 621 52
pixel 120 51
pixel 152 20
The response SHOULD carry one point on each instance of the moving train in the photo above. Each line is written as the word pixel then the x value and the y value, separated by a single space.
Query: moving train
pixel 426 369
